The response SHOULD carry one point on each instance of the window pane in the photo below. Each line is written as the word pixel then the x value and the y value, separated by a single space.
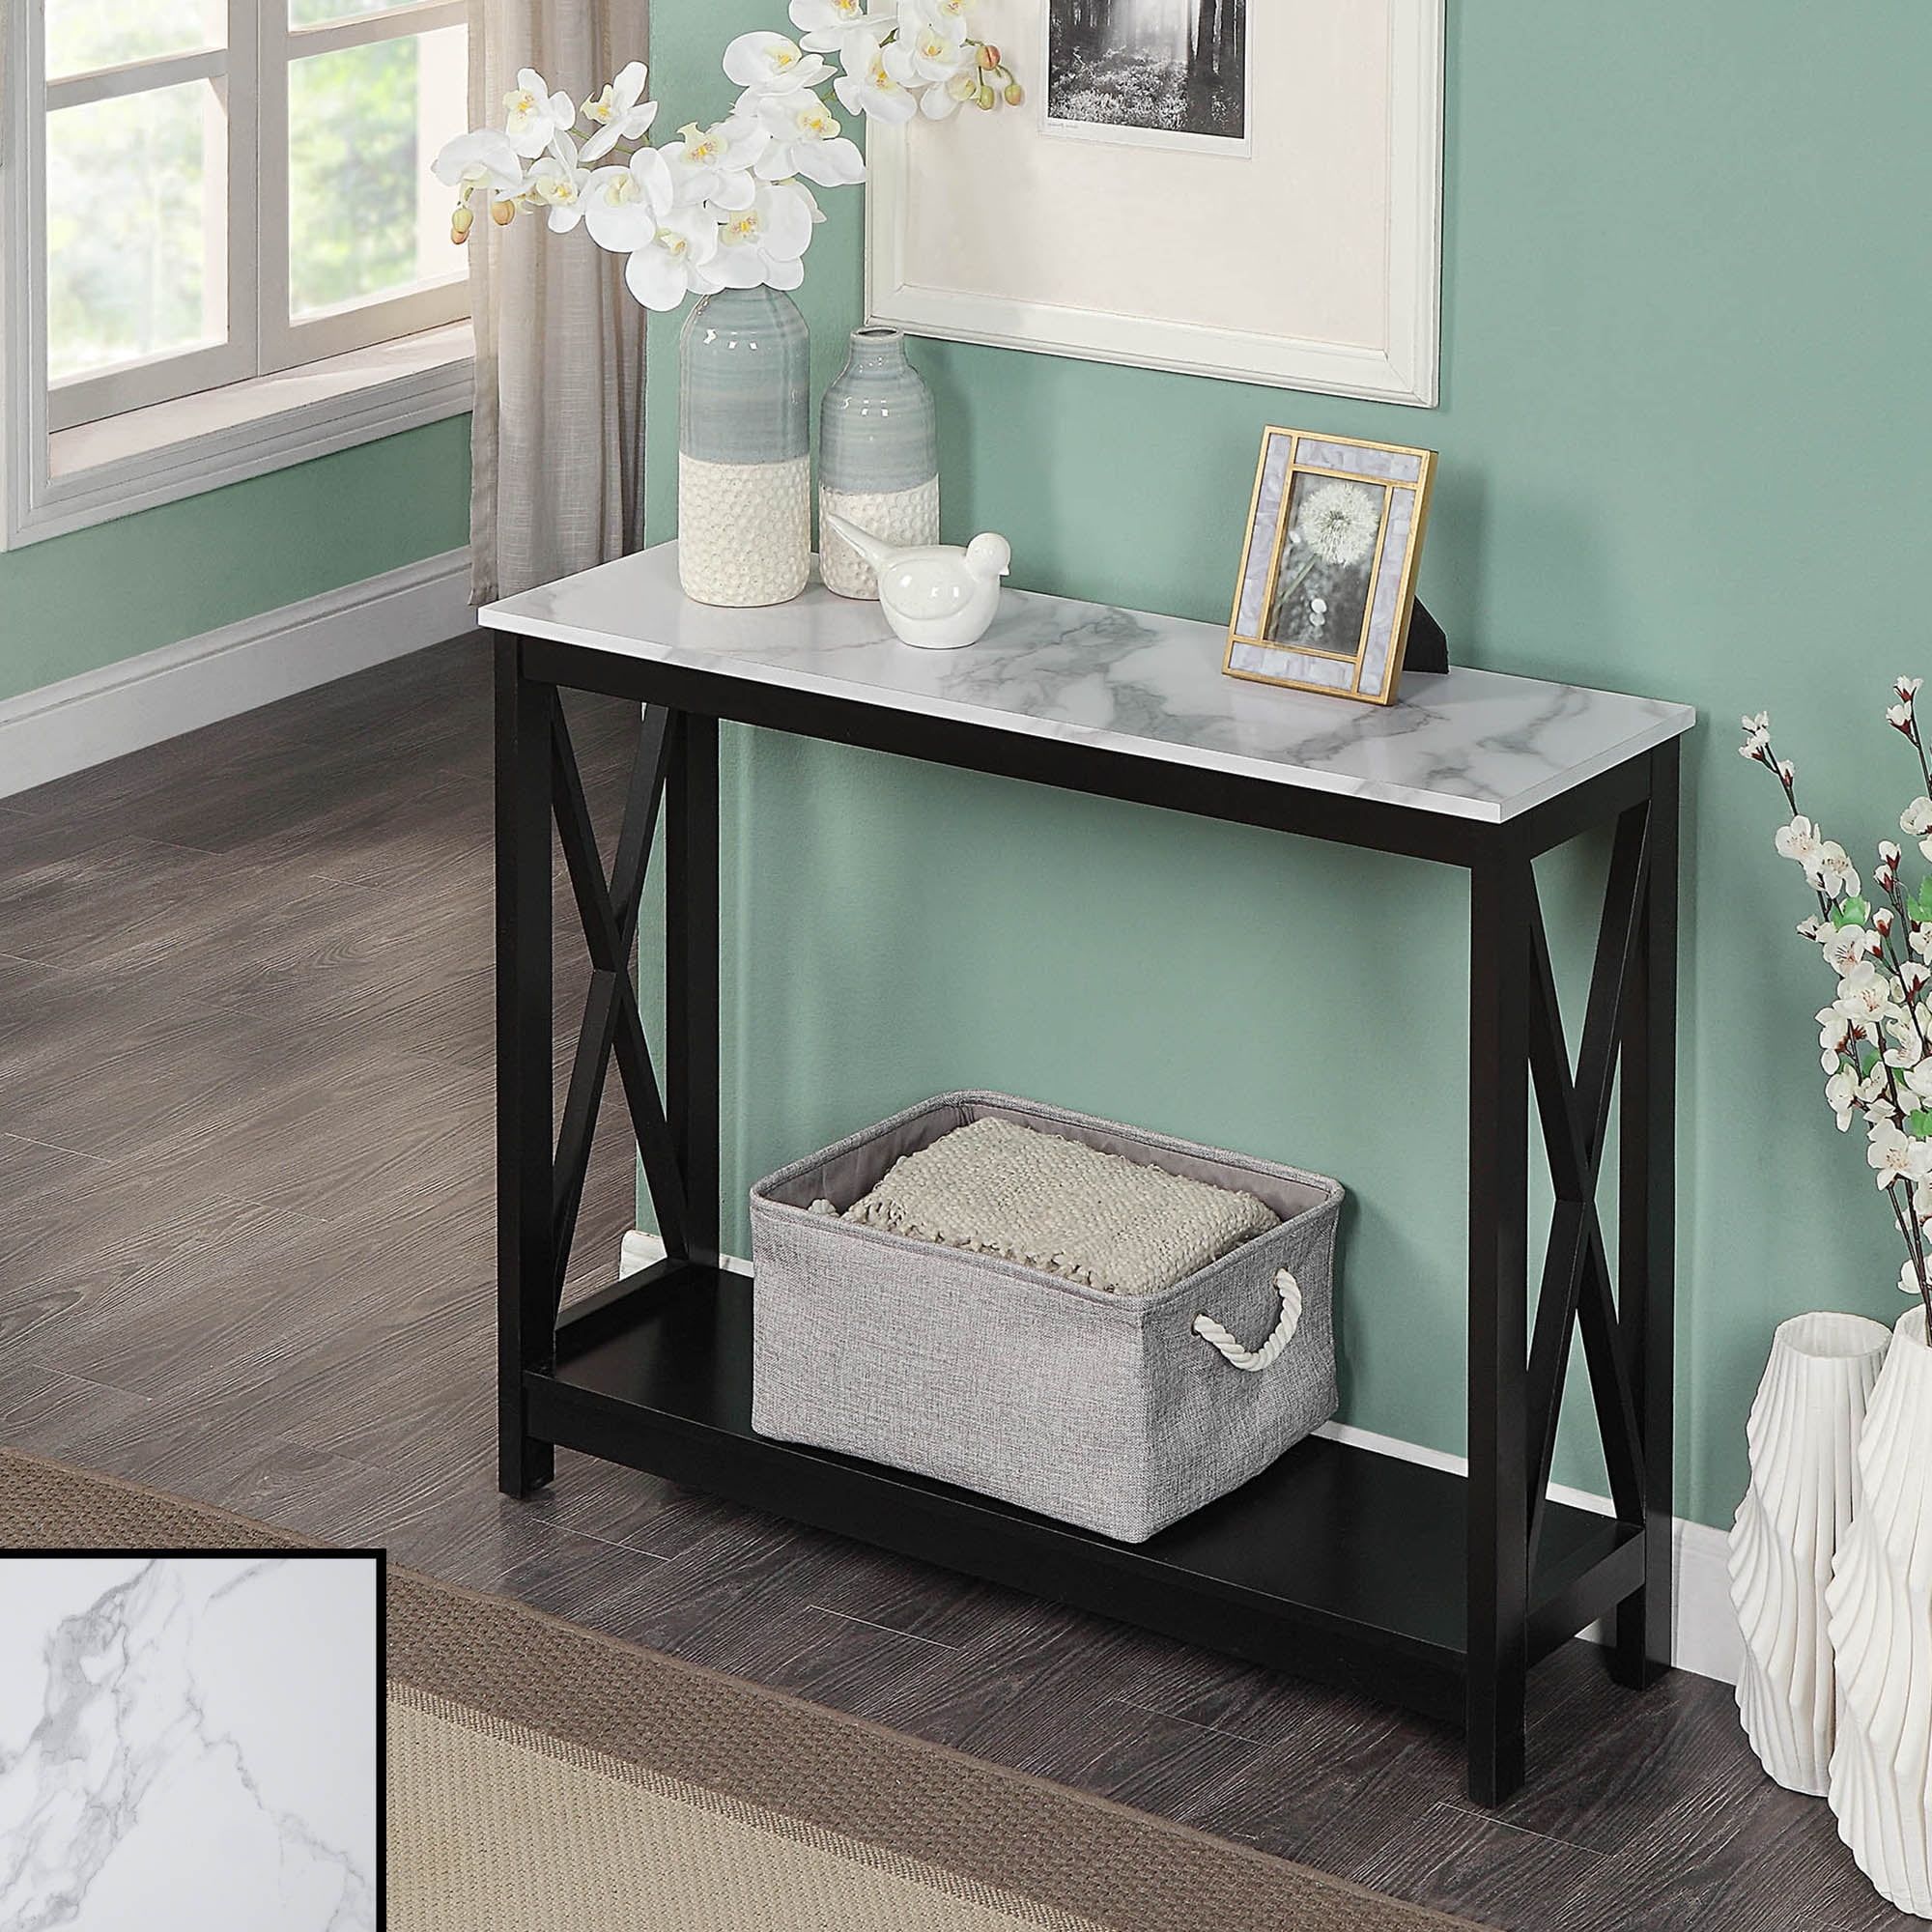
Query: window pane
pixel 314 13
pixel 365 216
pixel 136 209
pixel 86 34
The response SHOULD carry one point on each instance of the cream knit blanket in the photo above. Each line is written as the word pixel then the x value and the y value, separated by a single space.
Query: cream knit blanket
pixel 997 1188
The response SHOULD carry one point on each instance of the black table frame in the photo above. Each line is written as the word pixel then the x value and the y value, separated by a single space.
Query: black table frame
pixel 1339 1563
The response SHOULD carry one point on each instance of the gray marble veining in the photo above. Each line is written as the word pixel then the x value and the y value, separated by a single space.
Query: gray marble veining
pixel 1471 745
pixel 187 1741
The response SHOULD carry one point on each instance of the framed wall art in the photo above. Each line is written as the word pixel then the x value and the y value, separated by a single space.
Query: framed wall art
pixel 1249 188
pixel 1327 577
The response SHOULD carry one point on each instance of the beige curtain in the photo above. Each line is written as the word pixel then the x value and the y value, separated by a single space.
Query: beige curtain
pixel 557 438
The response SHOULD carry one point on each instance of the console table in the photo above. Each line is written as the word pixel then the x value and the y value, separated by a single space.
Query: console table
pixel 1405 1582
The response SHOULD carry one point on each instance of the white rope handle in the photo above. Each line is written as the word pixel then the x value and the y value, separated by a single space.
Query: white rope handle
pixel 1255 1360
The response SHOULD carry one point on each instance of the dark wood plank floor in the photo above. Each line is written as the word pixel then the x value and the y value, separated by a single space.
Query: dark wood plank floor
pixel 245 1255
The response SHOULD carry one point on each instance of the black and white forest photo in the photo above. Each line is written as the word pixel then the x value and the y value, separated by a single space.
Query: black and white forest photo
pixel 1161 72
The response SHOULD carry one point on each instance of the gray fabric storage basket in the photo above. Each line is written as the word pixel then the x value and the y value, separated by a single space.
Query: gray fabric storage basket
pixel 1104 1410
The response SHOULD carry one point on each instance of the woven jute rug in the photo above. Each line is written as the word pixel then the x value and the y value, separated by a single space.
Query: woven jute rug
pixel 544 1778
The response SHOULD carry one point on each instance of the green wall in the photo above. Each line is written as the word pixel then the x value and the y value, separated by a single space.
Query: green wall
pixel 72 604
pixel 1684 429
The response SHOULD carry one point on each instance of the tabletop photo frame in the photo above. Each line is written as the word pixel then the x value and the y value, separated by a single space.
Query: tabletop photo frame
pixel 1328 578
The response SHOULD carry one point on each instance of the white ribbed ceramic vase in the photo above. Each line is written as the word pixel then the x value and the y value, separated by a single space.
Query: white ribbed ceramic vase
pixel 1804 1434
pixel 1881 1625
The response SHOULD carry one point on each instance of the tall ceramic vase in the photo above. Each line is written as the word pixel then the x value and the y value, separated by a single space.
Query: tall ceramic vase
pixel 744 450
pixel 878 457
pixel 1804 1436
pixel 1881 1625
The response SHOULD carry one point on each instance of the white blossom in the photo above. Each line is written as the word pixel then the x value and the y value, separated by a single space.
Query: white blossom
pixel 1841 1095
pixel 1866 995
pixel 1846 946
pixel 1916 820
pixel 879 80
pixel 1831 871
pixel 773 64
pixel 482 159
pixel 1894 1155
pixel 1799 841
pixel 534 112
pixel 620 113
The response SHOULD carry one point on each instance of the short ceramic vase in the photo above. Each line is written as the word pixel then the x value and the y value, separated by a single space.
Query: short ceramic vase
pixel 744 450
pixel 878 457
pixel 1804 1434
pixel 1880 1627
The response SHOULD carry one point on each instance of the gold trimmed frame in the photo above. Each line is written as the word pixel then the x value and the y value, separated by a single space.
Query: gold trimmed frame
pixel 1276 536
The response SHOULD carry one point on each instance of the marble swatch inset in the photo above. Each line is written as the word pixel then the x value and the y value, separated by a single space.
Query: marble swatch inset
pixel 188 1744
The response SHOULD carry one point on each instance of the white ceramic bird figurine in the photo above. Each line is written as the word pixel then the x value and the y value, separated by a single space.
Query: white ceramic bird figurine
pixel 937 597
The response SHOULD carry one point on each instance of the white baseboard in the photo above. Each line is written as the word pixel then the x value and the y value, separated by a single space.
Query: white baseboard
pixel 125 707
pixel 1705 1639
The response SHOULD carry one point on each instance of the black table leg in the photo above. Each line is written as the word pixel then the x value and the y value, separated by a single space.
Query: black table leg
pixel 1648 1209
pixel 526 1256
pixel 1500 892
pixel 691 973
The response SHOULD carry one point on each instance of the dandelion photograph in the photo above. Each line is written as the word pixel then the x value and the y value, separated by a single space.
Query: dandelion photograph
pixel 1327 563
pixel 1153 72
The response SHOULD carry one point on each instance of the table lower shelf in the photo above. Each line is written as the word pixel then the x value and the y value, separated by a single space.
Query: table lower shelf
pixel 1337 1563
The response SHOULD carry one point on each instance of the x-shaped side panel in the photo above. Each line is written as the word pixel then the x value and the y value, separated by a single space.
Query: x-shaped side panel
pixel 1576 1289
pixel 612 1022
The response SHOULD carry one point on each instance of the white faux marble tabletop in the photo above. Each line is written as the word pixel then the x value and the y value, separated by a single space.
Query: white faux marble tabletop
pixel 187 1743
pixel 1471 745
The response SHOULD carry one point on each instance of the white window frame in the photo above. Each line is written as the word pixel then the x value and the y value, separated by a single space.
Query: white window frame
pixel 286 391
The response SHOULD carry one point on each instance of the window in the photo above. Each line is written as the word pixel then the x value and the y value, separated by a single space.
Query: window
pixel 214 192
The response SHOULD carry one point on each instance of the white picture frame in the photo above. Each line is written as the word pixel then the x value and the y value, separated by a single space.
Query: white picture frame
pixel 966 236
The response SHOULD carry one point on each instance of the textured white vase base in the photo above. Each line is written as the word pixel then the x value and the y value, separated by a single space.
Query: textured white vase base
pixel 1803 1433
pixel 1880 1607
pixel 903 517
pixel 743 531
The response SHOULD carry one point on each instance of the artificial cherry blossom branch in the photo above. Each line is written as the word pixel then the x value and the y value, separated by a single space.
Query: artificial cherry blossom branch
pixel 1885 991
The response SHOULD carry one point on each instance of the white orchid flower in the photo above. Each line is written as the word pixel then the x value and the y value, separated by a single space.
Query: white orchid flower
pixel 942 102
pixel 879 81
pixel 806 140
pixel 764 245
pixel 773 64
pixel 825 26
pixel 623 206
pixel 620 113
pixel 940 11
pixel 715 163
pixel 937 44
pixel 481 158
pixel 534 113
pixel 560 182
pixel 666 270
